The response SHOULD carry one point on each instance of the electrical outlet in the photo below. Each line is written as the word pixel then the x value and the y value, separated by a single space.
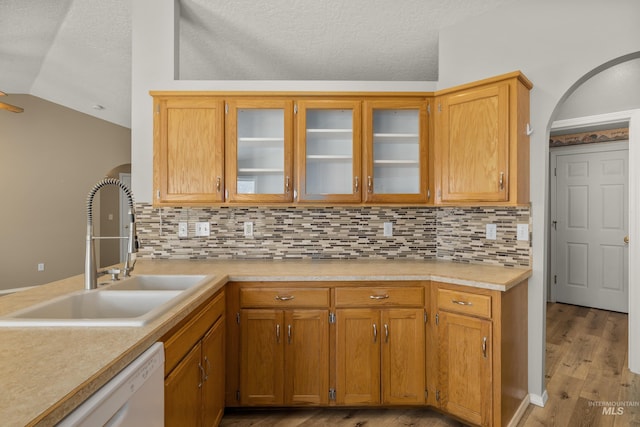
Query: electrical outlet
pixel 248 229
pixel 183 230
pixel 202 229
pixel 523 232
pixel 41 266
pixel 491 232
pixel 387 230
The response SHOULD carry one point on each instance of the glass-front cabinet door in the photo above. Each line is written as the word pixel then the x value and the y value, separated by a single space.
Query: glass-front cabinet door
pixel 259 150
pixel 395 151
pixel 328 150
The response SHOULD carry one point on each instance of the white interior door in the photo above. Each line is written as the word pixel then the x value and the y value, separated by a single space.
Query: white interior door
pixel 591 223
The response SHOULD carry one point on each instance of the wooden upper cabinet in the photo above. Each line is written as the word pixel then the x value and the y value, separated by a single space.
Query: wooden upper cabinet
pixel 395 151
pixel 482 146
pixel 188 150
pixel 259 150
pixel 328 151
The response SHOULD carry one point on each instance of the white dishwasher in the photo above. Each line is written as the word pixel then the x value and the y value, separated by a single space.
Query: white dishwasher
pixel 133 398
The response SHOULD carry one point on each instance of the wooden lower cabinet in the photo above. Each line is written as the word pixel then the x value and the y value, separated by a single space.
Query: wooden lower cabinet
pixel 380 356
pixel 481 339
pixel 195 368
pixel 284 357
pixel 464 378
pixel 458 348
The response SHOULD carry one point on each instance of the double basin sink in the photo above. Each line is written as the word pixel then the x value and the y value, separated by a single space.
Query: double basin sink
pixel 133 301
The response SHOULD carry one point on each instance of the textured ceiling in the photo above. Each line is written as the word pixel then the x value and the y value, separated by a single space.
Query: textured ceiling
pixel 77 53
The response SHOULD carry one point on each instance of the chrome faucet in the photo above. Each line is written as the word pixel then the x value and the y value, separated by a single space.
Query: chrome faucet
pixel 91 272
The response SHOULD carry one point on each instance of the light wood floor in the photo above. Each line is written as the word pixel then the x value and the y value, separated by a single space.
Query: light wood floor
pixel 586 359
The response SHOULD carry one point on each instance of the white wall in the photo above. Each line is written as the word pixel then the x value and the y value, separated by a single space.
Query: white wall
pixel 556 44
pixel 615 89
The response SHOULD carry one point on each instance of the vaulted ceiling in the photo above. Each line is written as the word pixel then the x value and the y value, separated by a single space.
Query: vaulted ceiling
pixel 77 53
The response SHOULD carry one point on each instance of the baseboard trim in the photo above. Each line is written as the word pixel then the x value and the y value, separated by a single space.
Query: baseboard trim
pixel 539 400
pixel 517 416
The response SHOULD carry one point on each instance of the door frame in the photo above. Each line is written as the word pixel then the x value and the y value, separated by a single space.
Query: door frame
pixel 632 117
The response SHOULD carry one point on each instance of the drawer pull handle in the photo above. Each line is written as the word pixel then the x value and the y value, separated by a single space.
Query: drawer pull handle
pixel 278 333
pixel 385 296
pixel 284 297
pixel 386 333
pixel 455 301
pixel 289 333
pixel 375 333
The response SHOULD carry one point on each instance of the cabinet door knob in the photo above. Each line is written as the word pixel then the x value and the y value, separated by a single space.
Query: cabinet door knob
pixel 289 333
pixel 357 184
pixel 501 180
pixel 375 333
pixel 278 333
pixel 286 185
pixel 626 239
pixel 386 333
pixel 218 184
pixel 370 184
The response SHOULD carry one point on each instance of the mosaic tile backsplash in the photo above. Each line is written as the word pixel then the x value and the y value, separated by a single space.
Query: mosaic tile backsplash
pixel 456 234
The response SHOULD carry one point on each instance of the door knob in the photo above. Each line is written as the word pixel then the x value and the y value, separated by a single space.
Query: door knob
pixel 626 239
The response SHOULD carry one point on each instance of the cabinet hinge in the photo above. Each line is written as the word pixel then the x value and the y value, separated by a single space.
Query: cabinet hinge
pixel 332 317
pixel 332 394
pixel 426 394
pixel 437 395
pixel 238 318
pixel 437 319
pixel 226 108
pixel 238 395
pixel 295 108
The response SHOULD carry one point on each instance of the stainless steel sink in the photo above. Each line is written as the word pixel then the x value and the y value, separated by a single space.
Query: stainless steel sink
pixel 159 282
pixel 130 302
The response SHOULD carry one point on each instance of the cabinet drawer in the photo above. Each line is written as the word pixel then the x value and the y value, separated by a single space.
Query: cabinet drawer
pixel 284 297
pixel 380 296
pixel 464 302
pixel 178 344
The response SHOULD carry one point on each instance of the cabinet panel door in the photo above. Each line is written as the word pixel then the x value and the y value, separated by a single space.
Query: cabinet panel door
pixel 465 367
pixel 473 145
pixel 307 357
pixel 358 356
pixel 403 335
pixel 189 151
pixel 182 392
pixel 259 135
pixel 213 363
pixel 328 151
pixel 262 358
pixel 395 151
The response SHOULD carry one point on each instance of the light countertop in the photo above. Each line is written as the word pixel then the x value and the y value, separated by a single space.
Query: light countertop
pixel 46 372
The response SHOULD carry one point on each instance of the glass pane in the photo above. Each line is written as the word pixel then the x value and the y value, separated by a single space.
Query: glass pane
pixel 329 148
pixel 260 151
pixel 396 151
